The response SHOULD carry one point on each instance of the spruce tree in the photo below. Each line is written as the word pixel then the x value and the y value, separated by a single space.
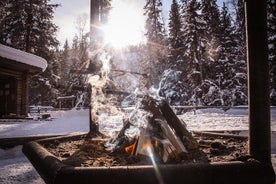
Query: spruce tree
pixel 156 40
pixel 154 22
pixel 2 10
pixel 12 23
pixel 240 79
pixel 173 85
pixel 224 72
pixel 65 68
pixel 28 25
pixel 193 47
pixel 271 20
pixel 210 15
pixel 175 36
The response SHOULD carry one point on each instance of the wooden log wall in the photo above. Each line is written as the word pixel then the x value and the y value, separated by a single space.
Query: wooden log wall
pixel 21 86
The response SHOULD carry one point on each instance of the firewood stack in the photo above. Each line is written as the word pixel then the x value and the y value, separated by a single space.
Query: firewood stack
pixel 165 135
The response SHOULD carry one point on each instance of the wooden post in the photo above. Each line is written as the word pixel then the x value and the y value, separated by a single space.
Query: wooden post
pixel 93 123
pixel 94 21
pixel 24 93
pixel 59 103
pixel 258 80
pixel 72 102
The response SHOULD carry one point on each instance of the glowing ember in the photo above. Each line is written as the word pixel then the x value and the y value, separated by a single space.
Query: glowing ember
pixel 131 149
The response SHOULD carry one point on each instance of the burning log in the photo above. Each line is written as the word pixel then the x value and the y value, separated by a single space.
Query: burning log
pixel 163 110
pixel 143 141
pixel 175 141
pixel 164 134
pixel 120 140
pixel 178 126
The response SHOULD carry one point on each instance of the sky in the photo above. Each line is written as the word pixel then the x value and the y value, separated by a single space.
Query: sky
pixel 66 15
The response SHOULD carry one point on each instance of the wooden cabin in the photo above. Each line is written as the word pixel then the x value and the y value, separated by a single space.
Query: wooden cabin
pixel 16 69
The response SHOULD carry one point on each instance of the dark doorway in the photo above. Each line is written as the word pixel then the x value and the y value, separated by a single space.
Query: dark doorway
pixel 7 96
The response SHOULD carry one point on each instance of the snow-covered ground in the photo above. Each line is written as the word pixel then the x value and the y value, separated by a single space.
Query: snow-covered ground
pixel 235 118
pixel 61 122
pixel 16 169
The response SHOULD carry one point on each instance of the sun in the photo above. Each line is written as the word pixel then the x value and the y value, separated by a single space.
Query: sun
pixel 125 26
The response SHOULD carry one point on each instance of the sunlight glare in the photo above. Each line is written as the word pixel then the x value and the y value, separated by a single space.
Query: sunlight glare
pixel 126 24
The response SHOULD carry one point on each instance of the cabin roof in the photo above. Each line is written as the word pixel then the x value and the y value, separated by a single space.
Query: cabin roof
pixel 21 60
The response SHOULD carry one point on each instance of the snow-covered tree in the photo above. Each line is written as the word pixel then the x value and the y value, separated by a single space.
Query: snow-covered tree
pixel 63 56
pixel 224 66
pixel 240 79
pixel 271 20
pixel 175 36
pixel 154 23
pixel 210 15
pixel 156 40
pixel 194 46
pixel 173 85
pixel 28 25
pixel 2 10
pixel 75 61
pixel 240 34
pixel 174 88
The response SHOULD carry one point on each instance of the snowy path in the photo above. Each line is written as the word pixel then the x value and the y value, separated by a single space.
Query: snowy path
pixel 16 169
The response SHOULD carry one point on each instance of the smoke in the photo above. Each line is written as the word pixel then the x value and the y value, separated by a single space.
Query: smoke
pixel 116 75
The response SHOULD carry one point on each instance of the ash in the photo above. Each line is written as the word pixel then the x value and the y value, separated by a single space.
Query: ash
pixel 92 152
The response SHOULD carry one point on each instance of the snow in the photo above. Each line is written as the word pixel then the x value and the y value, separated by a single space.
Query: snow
pixel 22 57
pixel 61 122
pixel 16 169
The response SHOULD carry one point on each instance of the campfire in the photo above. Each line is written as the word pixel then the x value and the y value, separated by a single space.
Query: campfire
pixel 151 134
pixel 159 132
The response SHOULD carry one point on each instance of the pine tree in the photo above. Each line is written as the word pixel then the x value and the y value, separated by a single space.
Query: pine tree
pixel 154 22
pixel 156 40
pixel 173 85
pixel 271 20
pixel 28 25
pixel 11 24
pixel 175 36
pixel 65 66
pixel 2 11
pixel 224 72
pixel 210 15
pixel 240 79
pixel 193 47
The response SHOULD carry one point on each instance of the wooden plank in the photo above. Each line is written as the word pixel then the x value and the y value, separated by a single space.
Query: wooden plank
pixel 143 141
pixel 175 141
pixel 186 137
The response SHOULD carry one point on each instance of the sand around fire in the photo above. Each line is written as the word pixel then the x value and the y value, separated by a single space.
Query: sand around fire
pixel 92 152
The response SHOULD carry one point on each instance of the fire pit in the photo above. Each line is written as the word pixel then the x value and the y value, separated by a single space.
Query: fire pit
pixel 64 160
pixel 164 152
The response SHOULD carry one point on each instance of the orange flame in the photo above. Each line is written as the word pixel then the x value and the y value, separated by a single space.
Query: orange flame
pixel 131 149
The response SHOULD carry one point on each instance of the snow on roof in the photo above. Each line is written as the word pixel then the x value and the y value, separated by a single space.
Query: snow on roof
pixel 22 57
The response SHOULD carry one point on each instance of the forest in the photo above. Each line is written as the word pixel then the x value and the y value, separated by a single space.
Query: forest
pixel 198 58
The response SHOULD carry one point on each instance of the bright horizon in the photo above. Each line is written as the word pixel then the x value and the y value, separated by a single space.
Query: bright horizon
pixel 66 15
pixel 126 24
